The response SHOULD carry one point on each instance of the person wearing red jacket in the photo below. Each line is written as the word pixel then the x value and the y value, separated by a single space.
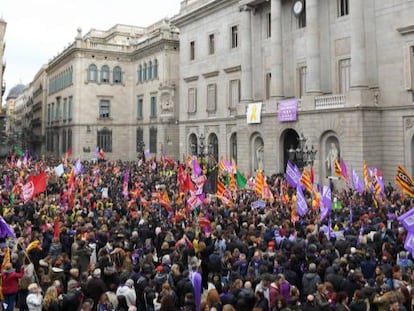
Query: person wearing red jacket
pixel 10 285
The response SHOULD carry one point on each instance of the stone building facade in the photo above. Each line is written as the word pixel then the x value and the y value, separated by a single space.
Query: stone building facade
pixel 3 137
pixel 114 90
pixel 347 66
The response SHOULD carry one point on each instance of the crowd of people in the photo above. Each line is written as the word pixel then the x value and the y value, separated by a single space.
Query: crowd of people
pixel 86 243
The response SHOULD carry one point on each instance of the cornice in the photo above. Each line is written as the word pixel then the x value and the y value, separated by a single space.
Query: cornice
pixel 406 30
pixel 191 79
pixel 202 11
pixel 232 69
pixel 211 74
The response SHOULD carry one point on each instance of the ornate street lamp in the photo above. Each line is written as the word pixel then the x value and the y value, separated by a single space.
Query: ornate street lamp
pixel 302 156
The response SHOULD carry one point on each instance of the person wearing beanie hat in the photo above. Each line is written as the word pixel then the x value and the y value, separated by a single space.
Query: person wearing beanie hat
pixel 310 280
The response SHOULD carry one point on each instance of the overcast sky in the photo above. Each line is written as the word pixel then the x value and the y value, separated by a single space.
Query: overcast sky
pixel 38 30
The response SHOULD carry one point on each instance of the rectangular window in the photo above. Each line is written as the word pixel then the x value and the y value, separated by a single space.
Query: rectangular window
pixel 343 7
pixel 49 115
pixel 58 108
pixel 211 97
pixel 268 25
pixel 234 93
pixel 192 50
pixel 211 46
pixel 192 100
pixel 140 104
pixel 104 140
pixel 153 106
pixel 52 113
pixel 344 75
pixel 153 140
pixel 302 16
pixel 234 37
pixel 69 139
pixel 65 109
pixel 302 81
pixel 268 84
pixel 64 140
pixel 140 140
pixel 70 104
pixel 104 109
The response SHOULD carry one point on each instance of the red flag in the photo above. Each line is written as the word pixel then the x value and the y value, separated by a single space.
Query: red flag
pixel 40 182
pixel 259 183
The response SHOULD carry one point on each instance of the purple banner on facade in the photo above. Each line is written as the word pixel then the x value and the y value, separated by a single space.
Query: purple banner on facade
pixel 287 110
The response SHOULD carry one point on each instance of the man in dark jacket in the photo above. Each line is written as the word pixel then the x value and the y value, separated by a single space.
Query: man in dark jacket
pixel 310 280
pixel 73 299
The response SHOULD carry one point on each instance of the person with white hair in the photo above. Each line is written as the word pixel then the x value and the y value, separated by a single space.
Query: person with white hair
pixel 35 298
pixel 128 291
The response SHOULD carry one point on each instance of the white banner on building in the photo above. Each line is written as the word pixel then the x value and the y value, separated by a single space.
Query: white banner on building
pixel 254 112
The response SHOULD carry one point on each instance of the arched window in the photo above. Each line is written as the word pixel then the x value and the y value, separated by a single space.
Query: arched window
pixel 117 75
pixel 140 73
pixel 150 70
pixel 92 73
pixel 105 74
pixel 144 74
pixel 155 69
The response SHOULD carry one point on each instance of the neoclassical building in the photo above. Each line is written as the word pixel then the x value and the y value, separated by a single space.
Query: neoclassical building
pixel 258 76
pixel 115 89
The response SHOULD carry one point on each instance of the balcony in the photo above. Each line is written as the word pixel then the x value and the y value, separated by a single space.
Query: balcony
pixel 330 101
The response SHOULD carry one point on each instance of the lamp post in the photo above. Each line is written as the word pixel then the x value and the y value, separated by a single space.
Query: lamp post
pixel 302 155
pixel 201 146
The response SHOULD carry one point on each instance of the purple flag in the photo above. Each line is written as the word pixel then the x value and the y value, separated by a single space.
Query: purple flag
pixel 407 220
pixel 292 174
pixel 301 206
pixel 358 184
pixel 196 167
pixel 409 242
pixel 326 202
pixel 95 154
pixel 78 169
pixel 351 215
pixel 287 110
pixel 344 170
pixel 5 229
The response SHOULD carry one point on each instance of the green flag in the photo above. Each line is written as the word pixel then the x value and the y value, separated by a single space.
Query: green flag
pixel 241 180
pixel 18 151
pixel 227 179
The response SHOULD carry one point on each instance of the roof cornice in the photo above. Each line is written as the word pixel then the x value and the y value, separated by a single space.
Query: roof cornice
pixel 182 19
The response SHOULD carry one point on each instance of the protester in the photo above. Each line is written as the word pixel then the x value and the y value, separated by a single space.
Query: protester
pixel 116 235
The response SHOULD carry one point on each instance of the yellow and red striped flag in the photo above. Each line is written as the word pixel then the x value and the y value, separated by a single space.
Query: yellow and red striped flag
pixel 404 181
pixel 6 259
pixel 366 176
pixel 338 169
pixel 259 183
pixel 306 181
pixel 220 188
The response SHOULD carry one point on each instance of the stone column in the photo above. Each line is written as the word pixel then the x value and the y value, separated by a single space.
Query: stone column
pixel 313 59
pixel 358 53
pixel 246 54
pixel 277 52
